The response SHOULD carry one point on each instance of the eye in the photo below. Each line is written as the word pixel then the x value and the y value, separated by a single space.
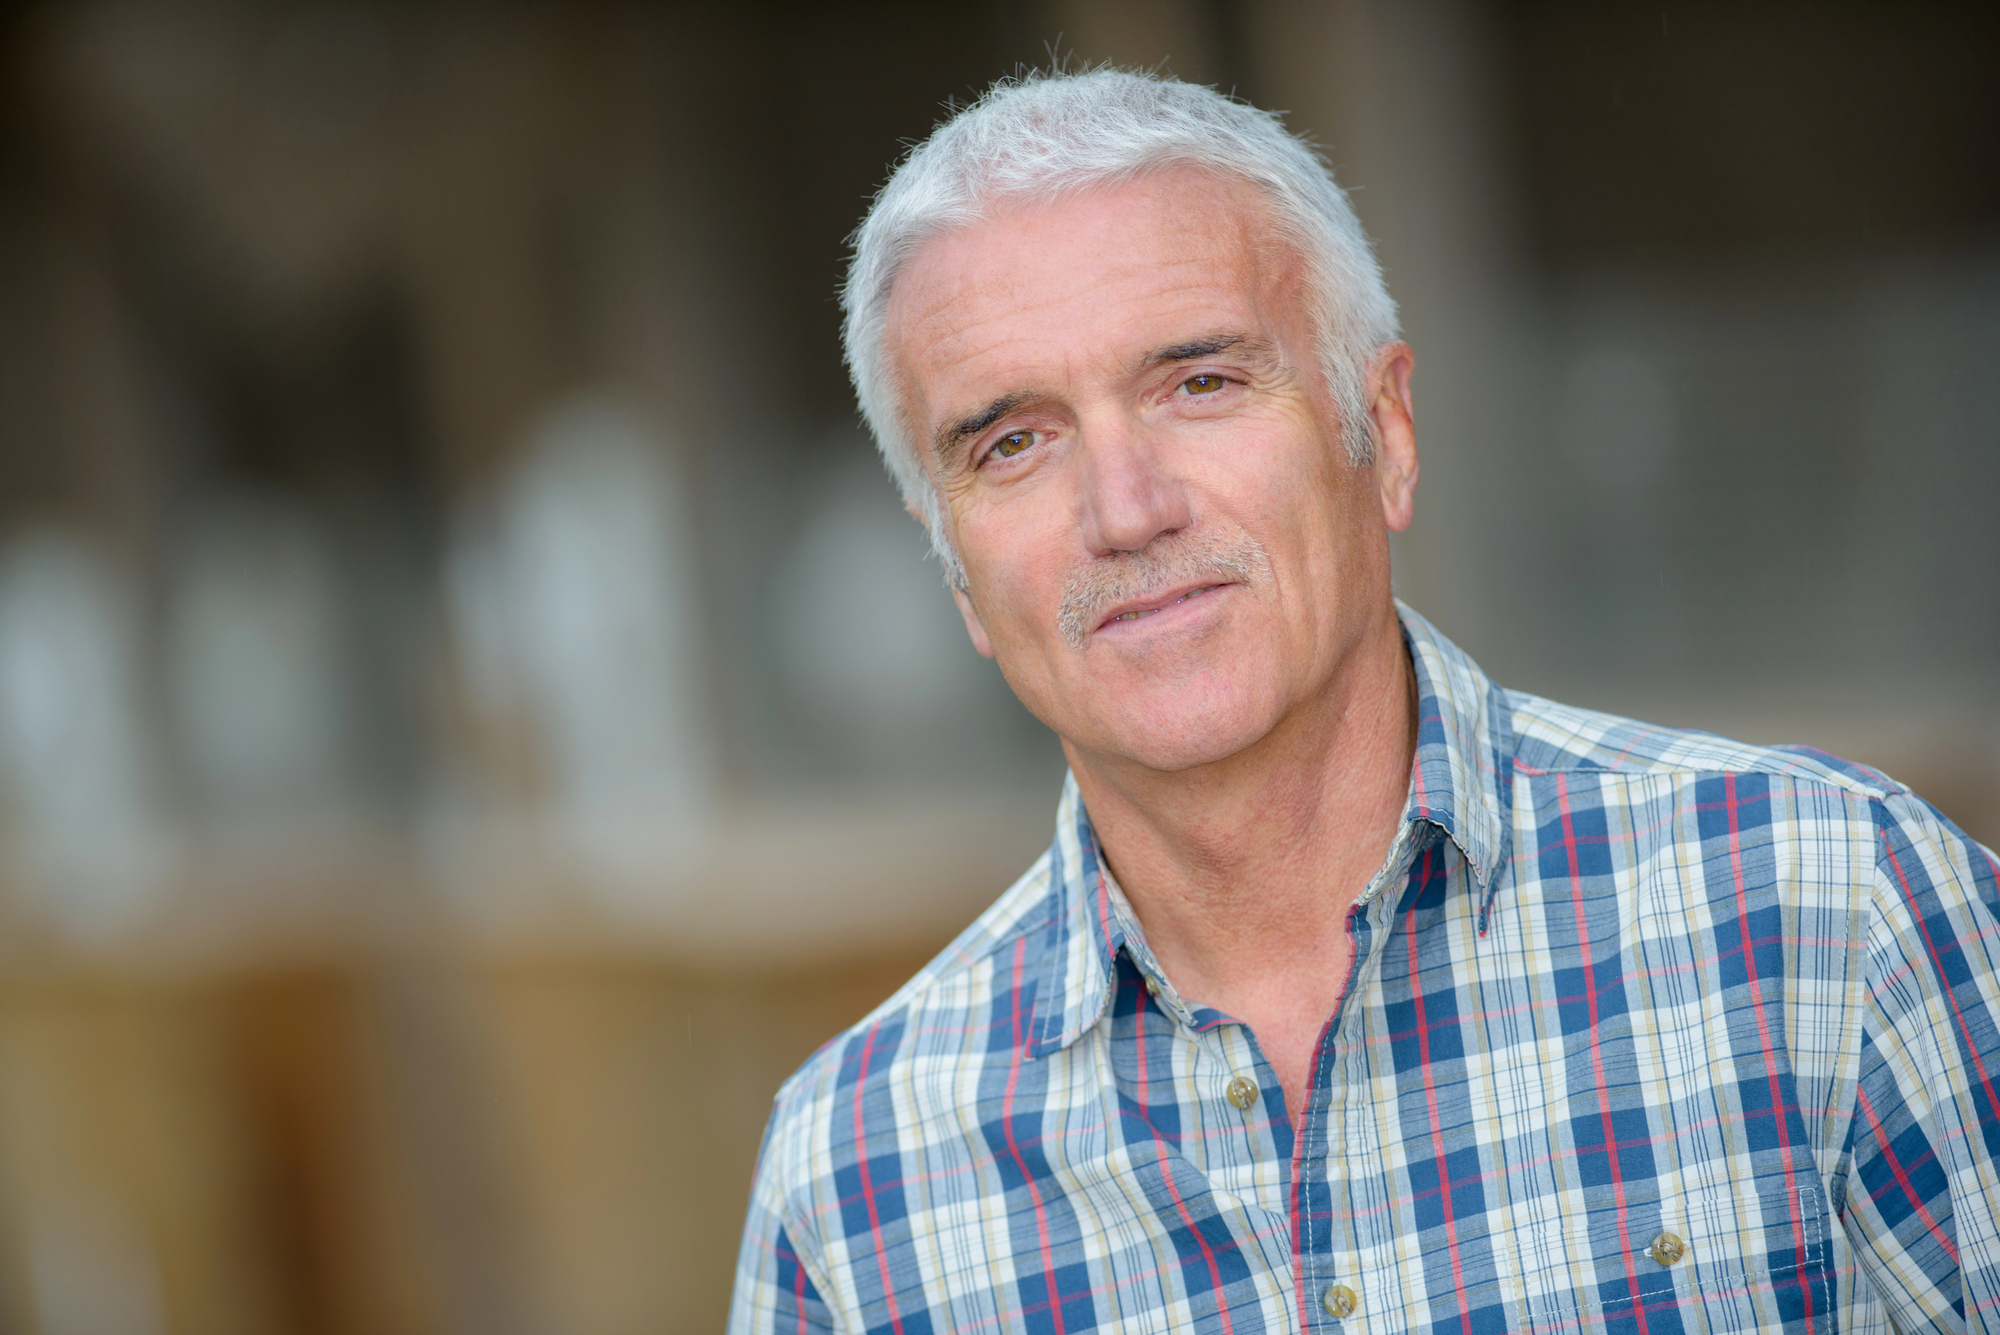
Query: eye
pixel 1011 444
pixel 1203 384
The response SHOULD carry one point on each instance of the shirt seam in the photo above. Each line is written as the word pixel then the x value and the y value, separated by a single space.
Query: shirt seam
pixel 1798 782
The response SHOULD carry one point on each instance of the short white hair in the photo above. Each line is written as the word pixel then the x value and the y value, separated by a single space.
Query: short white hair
pixel 1047 135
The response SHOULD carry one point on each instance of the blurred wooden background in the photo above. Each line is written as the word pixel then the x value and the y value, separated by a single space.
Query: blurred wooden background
pixel 473 716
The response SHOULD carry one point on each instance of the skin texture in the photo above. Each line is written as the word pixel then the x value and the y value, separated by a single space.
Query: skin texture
pixel 1122 404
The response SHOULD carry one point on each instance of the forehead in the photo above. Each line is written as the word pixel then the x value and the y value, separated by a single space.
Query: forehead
pixel 1056 290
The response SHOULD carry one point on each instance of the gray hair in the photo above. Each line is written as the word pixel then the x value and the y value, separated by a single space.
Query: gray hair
pixel 1047 135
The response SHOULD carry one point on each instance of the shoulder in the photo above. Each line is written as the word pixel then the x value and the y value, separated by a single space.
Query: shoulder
pixel 1553 738
pixel 941 1022
pixel 1569 760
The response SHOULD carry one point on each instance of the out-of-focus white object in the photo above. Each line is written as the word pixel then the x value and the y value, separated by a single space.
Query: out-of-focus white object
pixel 89 846
pixel 577 599
pixel 254 659
pixel 869 641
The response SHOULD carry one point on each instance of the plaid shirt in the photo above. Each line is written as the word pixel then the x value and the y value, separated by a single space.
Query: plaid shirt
pixel 1612 982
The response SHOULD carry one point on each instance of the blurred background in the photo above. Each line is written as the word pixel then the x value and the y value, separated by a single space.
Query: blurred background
pixel 473 716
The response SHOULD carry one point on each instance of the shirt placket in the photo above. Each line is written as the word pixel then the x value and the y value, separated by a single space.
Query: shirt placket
pixel 1348 1282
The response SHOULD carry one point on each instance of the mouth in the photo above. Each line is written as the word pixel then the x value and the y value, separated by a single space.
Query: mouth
pixel 1137 611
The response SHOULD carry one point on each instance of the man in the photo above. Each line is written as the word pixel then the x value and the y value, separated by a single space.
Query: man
pixel 1355 991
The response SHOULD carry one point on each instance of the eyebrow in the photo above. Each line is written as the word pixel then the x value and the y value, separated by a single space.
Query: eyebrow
pixel 951 437
pixel 1194 349
pixel 1248 346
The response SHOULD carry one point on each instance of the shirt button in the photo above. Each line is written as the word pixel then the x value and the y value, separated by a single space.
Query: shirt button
pixel 1667 1249
pixel 1340 1300
pixel 1242 1091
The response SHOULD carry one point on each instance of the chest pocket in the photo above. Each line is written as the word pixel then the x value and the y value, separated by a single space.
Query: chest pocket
pixel 1691 1201
pixel 1681 1193
pixel 1664 1026
pixel 1751 1255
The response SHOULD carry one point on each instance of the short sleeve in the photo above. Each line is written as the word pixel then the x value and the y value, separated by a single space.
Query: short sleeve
pixel 1923 1180
pixel 775 1290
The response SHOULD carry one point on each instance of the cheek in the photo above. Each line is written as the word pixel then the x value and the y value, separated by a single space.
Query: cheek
pixel 1278 484
pixel 1016 586
pixel 1020 543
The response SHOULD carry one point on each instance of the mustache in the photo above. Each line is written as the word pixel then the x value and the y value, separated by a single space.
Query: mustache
pixel 1169 560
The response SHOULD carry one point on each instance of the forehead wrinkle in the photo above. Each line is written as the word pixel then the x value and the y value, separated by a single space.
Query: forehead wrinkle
pixel 1000 336
pixel 940 296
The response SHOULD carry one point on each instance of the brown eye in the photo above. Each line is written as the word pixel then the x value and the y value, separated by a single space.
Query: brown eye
pixel 1013 443
pixel 1203 384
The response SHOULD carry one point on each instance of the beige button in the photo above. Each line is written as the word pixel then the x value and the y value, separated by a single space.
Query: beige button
pixel 1340 1300
pixel 1242 1091
pixel 1667 1249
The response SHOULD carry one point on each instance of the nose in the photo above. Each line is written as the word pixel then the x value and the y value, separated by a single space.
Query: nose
pixel 1130 495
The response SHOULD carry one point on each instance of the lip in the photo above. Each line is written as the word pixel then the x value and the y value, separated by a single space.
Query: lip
pixel 1139 612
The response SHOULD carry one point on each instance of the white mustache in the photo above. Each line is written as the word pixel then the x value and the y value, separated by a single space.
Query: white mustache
pixel 1171 560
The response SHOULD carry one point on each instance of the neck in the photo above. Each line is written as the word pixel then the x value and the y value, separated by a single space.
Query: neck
pixel 1242 871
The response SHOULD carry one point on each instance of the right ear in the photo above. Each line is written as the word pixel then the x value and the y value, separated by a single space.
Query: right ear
pixel 973 626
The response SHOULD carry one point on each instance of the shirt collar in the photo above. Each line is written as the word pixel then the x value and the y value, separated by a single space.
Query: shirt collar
pixel 1463 778
pixel 1460 782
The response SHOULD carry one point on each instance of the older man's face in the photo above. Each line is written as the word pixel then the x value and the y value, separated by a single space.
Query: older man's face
pixel 1165 546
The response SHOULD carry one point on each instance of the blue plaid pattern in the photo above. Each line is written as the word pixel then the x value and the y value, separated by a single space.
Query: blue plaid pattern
pixel 1612 981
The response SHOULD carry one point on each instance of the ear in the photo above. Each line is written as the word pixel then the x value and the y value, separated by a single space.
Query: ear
pixel 972 624
pixel 1394 416
pixel 973 628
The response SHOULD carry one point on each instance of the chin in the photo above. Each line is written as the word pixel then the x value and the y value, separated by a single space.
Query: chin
pixel 1180 732
pixel 1159 713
